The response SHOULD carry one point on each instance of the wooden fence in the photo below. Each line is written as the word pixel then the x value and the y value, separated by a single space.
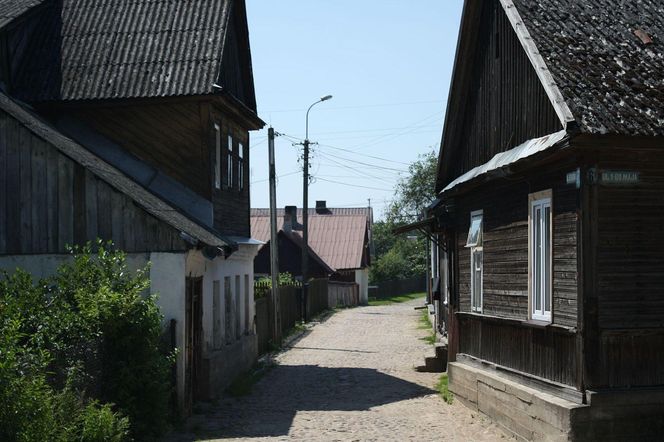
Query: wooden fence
pixel 388 289
pixel 290 300
pixel 343 294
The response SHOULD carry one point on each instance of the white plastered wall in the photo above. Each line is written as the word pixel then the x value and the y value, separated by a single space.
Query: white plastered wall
pixel 167 280
pixel 362 279
pixel 240 263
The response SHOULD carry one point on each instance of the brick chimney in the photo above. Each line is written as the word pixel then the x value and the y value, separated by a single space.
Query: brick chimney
pixel 321 208
pixel 290 219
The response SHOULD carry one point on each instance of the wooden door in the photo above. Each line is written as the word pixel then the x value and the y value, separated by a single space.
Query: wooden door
pixel 193 340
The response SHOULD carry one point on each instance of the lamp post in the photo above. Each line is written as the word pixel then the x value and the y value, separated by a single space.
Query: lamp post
pixel 305 212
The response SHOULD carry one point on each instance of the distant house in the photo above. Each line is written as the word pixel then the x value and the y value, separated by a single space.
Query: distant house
pixel 130 122
pixel 341 237
pixel 549 217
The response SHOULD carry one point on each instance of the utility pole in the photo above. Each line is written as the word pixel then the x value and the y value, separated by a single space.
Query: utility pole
pixel 274 240
pixel 305 213
pixel 305 225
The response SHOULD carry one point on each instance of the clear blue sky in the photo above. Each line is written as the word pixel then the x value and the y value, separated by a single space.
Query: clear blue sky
pixel 388 65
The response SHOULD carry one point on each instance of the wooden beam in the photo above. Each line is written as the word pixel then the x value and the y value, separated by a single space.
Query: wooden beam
pixel 543 73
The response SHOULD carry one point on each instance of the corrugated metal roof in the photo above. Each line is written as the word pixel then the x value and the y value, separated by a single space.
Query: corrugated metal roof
pixel 12 9
pixel 148 201
pixel 338 238
pixel 102 49
pixel 524 150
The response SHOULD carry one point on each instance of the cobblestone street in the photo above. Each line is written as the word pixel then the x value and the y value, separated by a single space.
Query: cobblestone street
pixel 351 378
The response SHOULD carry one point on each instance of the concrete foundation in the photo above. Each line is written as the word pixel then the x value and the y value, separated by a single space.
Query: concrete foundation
pixel 531 414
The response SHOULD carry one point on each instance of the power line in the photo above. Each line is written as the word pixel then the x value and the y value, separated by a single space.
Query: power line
pixel 366 164
pixel 364 154
pixel 359 106
pixel 355 185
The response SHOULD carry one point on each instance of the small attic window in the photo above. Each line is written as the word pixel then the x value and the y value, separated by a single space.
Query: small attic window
pixel 475 230
pixel 643 36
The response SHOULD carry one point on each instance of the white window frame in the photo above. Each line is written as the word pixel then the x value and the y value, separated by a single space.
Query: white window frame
pixel 240 166
pixel 217 158
pixel 540 256
pixel 229 163
pixel 476 247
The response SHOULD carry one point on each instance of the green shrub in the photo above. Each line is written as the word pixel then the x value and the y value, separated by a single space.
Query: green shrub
pixel 73 344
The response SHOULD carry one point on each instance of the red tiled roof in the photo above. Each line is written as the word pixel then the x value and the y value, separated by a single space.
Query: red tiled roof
pixel 338 238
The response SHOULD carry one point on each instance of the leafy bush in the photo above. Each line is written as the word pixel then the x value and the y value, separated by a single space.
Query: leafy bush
pixel 80 350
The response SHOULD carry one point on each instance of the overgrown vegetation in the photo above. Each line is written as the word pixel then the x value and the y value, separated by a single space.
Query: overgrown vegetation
pixel 404 256
pixel 263 285
pixel 80 353
pixel 443 389
pixel 396 299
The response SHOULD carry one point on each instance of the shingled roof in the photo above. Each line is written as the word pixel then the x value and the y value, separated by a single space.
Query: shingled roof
pixel 612 81
pixel 104 49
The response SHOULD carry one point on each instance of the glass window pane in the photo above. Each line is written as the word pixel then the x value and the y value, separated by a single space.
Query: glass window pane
pixel 475 232
pixel 537 283
pixel 546 250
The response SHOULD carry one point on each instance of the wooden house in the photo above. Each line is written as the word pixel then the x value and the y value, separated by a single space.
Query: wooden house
pixel 289 245
pixel 129 121
pixel 340 237
pixel 549 215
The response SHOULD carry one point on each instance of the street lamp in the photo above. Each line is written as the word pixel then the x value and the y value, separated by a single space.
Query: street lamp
pixel 305 211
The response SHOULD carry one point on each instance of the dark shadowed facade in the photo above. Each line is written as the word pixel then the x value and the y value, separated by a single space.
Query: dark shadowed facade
pixel 129 121
pixel 548 217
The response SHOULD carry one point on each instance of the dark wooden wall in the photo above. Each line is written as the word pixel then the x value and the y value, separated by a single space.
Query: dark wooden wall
pixel 290 260
pixel 505 245
pixel 506 104
pixel 550 352
pixel 48 201
pixel 168 136
pixel 629 277
pixel 546 353
pixel 231 205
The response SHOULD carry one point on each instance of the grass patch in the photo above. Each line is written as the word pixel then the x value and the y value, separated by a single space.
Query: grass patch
pixel 425 324
pixel 396 299
pixel 243 384
pixel 443 390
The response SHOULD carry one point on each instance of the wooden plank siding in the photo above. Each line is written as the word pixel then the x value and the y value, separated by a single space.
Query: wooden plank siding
pixel 230 205
pixel 507 104
pixel 49 201
pixel 629 280
pixel 499 334
pixel 165 135
pixel 505 244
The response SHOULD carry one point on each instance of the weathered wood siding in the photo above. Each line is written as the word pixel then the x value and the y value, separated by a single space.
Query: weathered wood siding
pixel 48 201
pixel 629 277
pixel 506 247
pixel 506 103
pixel 547 353
pixel 168 136
pixel 230 205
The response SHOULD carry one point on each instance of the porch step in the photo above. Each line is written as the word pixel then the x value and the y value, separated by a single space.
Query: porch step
pixel 435 364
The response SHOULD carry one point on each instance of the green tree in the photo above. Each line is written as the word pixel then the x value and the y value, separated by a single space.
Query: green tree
pixel 415 191
pixel 404 256
pixel 80 353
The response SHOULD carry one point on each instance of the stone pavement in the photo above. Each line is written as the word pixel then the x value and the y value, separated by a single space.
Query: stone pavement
pixel 351 378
